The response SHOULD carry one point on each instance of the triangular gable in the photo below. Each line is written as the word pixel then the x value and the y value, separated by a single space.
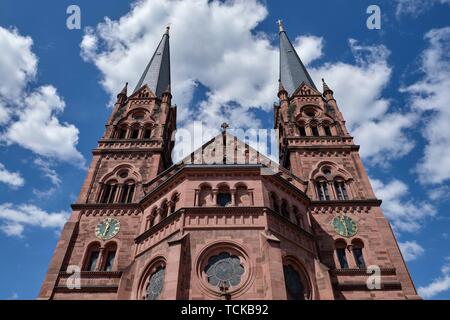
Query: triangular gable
pixel 143 92
pixel 306 90
pixel 225 149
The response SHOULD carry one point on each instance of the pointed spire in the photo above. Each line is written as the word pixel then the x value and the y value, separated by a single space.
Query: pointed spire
pixel 325 87
pixel 122 96
pixel 124 90
pixel 157 73
pixel 281 89
pixel 292 70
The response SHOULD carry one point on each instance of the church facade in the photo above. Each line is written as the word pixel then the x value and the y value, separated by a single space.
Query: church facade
pixel 145 228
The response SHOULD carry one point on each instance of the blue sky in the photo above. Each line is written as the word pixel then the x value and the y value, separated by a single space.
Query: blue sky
pixel 56 86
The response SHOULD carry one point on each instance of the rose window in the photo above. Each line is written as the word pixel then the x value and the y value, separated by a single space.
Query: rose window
pixel 224 270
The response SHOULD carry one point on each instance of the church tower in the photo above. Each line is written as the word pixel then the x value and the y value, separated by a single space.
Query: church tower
pixel 350 229
pixel 227 222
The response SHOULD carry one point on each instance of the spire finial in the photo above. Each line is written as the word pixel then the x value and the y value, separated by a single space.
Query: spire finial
pixel 280 25
pixel 167 29
pixel 325 86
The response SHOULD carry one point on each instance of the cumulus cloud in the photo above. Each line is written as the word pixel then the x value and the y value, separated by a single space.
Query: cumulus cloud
pixel 14 218
pixel 411 250
pixel 39 130
pixel 29 118
pixel 239 68
pixel 439 284
pixel 13 179
pixel 416 7
pixel 369 116
pixel 402 212
pixel 18 64
pixel 431 97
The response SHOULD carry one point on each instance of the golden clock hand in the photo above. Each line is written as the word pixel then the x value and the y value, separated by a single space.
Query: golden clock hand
pixel 106 229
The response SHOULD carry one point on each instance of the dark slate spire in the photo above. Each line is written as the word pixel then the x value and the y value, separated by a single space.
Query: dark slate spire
pixel 157 73
pixel 292 70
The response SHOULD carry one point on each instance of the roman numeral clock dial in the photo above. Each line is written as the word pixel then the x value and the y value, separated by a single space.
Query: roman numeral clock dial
pixel 107 229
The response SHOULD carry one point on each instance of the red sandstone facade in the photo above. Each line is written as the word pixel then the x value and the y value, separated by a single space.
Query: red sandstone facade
pixel 196 230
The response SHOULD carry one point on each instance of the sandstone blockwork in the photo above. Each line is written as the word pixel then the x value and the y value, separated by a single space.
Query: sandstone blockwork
pixel 145 228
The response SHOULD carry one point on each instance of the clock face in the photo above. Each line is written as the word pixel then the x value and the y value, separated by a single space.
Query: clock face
pixel 107 229
pixel 345 226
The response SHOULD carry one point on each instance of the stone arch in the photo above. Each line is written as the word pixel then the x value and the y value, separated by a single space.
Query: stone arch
pixel 294 271
pixel 155 264
pixel 335 170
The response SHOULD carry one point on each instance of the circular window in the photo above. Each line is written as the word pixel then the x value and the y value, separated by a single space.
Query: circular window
pixel 138 116
pixel 326 171
pixel 224 270
pixel 310 112
pixel 123 174
pixel 155 284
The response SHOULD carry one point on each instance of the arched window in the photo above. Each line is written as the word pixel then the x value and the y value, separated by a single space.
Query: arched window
pixel 173 203
pixel 314 130
pixel 153 217
pixel 108 192
pixel 341 191
pixel 322 190
pixel 274 202
pixel 301 129
pixel 91 257
pixel 147 133
pixel 134 132
pixel 296 283
pixel 155 283
pixel 327 129
pixel 109 256
pixel 164 209
pixel 127 192
pixel 298 219
pixel 341 253
pixel 224 196
pixel 242 196
pixel 357 248
pixel 284 209
pixel 120 133
pixel 205 196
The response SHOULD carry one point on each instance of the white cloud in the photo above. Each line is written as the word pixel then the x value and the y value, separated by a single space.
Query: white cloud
pixel 14 218
pixel 411 250
pixel 369 117
pixel 29 118
pixel 439 284
pixel 416 7
pixel 39 130
pixel 48 172
pixel 238 66
pixel 431 97
pixel 398 208
pixel 13 179
pixel 18 64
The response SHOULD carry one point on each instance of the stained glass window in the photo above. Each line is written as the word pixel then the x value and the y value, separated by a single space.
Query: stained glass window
pixel 224 269
pixel 294 285
pixel 155 284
